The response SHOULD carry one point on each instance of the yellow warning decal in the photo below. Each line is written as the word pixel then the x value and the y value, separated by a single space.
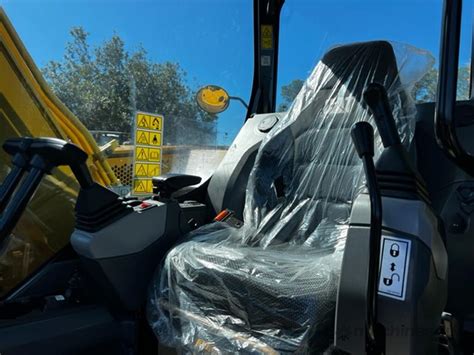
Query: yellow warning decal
pixel 267 36
pixel 147 157
pixel 146 170
pixel 141 170
pixel 143 137
pixel 147 121
pixel 145 154
pixel 142 186
pixel 156 123
pixel 143 121
pixel 141 153
pixel 154 154
pixel 155 138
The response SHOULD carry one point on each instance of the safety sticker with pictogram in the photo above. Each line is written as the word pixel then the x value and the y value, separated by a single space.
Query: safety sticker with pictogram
pixel 267 36
pixel 394 265
pixel 147 153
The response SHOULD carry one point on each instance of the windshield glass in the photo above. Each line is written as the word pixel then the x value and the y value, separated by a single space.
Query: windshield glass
pixel 100 69
pixel 119 79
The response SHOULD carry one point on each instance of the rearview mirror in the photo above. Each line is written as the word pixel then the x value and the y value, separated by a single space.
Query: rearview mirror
pixel 212 99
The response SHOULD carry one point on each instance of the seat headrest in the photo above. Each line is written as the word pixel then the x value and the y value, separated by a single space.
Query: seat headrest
pixel 351 63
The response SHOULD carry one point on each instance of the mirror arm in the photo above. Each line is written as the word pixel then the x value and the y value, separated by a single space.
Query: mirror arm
pixel 240 100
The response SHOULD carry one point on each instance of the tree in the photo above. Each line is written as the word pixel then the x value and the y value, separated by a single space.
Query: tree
pixel 464 74
pixel 289 92
pixel 105 85
pixel 423 91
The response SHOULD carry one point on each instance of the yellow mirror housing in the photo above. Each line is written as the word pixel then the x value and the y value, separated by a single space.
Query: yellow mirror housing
pixel 212 99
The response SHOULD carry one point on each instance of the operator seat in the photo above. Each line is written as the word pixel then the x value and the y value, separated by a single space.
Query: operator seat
pixel 270 286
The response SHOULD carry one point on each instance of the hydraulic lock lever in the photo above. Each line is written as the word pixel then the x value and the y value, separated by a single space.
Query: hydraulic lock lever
pixel 394 158
pixel 363 138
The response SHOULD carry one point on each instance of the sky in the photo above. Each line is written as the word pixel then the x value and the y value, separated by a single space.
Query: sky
pixel 212 40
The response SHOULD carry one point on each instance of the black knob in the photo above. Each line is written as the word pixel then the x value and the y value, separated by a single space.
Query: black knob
pixel 376 98
pixel 363 137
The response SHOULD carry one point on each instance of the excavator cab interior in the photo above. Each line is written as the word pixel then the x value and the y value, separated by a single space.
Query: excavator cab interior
pixel 340 226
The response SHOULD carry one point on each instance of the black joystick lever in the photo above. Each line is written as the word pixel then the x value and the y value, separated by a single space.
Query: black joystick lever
pixel 363 138
pixel 397 175
pixel 376 98
pixel 36 156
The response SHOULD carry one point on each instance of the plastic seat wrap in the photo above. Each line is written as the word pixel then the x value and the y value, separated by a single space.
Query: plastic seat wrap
pixel 270 287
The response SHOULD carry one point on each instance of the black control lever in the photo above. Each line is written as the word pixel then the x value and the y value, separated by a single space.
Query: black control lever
pixel 396 173
pixel 375 96
pixel 363 138
pixel 39 156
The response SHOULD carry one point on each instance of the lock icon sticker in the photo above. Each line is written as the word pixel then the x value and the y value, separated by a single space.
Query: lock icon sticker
pixel 389 281
pixel 394 266
pixel 395 250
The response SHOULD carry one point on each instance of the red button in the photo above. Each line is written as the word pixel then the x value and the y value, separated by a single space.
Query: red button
pixel 145 204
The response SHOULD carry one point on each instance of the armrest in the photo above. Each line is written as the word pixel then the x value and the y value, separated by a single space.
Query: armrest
pixel 165 185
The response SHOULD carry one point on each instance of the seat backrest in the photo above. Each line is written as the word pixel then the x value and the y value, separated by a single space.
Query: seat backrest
pixel 307 174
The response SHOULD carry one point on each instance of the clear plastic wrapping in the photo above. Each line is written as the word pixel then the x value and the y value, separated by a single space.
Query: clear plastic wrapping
pixel 270 287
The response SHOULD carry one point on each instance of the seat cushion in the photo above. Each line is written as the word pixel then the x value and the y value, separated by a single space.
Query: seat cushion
pixel 266 297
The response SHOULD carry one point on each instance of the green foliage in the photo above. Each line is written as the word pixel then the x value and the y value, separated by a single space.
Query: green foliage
pixel 464 74
pixel 289 92
pixel 423 91
pixel 104 86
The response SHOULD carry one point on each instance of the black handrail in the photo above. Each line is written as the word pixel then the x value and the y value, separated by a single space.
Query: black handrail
pixel 9 185
pixel 15 209
pixel 35 157
pixel 17 148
